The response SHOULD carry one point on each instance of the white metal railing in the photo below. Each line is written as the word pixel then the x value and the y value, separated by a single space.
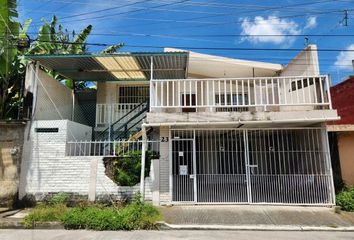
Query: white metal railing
pixel 107 148
pixel 110 112
pixel 231 94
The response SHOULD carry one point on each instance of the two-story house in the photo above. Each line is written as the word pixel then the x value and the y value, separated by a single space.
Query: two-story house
pixel 228 131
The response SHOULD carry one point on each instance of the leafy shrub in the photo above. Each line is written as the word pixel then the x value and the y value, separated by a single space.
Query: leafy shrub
pixel 60 198
pixel 45 213
pixel 127 167
pixel 345 200
pixel 137 215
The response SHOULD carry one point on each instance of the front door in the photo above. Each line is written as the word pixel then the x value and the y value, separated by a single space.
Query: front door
pixel 183 170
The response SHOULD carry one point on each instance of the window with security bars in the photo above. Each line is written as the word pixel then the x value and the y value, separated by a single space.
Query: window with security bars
pixel 225 100
pixel 133 94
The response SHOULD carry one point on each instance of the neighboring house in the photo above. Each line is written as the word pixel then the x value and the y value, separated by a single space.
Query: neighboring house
pixel 227 130
pixel 342 132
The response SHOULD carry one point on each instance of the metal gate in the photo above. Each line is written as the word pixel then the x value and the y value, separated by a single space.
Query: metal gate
pixel 277 166
pixel 183 170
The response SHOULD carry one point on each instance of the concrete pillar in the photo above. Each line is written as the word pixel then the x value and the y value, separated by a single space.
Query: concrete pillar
pixel 155 179
pixel 93 180
pixel 164 166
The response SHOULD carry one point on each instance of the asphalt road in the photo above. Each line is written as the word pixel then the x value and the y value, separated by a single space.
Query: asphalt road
pixel 156 235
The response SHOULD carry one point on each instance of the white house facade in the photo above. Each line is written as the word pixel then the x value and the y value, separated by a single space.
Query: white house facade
pixel 227 131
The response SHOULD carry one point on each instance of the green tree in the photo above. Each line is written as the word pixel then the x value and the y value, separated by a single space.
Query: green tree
pixel 11 66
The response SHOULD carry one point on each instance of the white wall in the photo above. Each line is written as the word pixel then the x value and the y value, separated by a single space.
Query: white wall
pixel 54 100
pixel 164 178
pixel 304 64
pixel 108 92
pixel 46 169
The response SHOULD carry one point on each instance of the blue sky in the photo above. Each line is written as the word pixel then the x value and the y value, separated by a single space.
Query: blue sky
pixel 210 24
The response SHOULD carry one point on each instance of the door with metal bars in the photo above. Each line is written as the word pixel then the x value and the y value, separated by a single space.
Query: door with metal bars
pixel 276 166
pixel 183 170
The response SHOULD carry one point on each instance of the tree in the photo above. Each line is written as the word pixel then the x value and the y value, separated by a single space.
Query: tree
pixel 11 70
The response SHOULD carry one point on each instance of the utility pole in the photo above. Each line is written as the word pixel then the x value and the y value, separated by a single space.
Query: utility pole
pixel 345 19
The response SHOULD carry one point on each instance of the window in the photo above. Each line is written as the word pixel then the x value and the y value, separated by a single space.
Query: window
pixel 133 94
pixel 236 98
pixel 231 106
pixel 188 100
pixel 306 83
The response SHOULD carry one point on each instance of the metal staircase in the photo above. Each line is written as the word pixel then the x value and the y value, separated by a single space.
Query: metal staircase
pixel 123 127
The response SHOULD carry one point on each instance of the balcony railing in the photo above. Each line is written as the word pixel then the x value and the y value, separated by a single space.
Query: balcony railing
pixel 240 94
pixel 109 113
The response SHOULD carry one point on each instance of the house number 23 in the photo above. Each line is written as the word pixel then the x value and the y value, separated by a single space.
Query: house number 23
pixel 164 139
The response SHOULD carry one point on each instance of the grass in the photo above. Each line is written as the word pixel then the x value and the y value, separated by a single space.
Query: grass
pixel 45 213
pixel 133 216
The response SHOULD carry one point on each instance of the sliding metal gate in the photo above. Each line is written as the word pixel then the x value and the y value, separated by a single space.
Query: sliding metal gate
pixel 277 166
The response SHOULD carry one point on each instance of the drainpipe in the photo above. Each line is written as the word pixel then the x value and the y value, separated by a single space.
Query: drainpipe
pixel 143 156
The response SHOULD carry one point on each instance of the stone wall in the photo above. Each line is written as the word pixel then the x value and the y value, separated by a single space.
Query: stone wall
pixel 11 143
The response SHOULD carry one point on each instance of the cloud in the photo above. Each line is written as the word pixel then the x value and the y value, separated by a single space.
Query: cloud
pixel 344 59
pixel 311 23
pixel 269 26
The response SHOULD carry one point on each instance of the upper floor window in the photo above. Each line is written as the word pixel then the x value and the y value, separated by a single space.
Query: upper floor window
pixel 236 99
pixel 133 94
pixel 298 84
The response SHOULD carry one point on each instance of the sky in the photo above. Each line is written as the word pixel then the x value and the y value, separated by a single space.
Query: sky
pixel 148 25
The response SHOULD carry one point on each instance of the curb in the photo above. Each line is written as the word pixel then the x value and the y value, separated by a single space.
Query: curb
pixel 20 225
pixel 167 226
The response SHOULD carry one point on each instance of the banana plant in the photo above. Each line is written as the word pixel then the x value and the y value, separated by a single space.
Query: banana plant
pixel 10 79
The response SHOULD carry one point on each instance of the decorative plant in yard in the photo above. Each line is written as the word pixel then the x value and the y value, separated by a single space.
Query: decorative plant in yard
pixel 125 169
pixel 345 199
pixel 128 167
pixel 132 216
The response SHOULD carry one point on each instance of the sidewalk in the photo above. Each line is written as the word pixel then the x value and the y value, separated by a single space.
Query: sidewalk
pixel 256 217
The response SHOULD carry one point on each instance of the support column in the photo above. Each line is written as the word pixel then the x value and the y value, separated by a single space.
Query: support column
pixel 93 180
pixel 155 182
pixel 143 155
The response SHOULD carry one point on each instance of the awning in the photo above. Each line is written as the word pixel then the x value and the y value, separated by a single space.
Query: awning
pixel 115 67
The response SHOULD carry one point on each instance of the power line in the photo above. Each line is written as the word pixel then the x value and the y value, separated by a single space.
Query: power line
pixel 259 21
pixel 210 35
pixel 120 13
pixel 205 48
pixel 278 7
pixel 132 11
pixel 261 8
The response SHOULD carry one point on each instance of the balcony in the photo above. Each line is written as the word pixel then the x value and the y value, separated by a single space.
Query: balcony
pixel 239 94
pixel 109 113
pixel 233 99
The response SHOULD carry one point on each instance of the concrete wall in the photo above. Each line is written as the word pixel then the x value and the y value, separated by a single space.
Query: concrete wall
pixel 164 166
pixel 52 97
pixel 304 64
pixel 11 142
pixel 346 155
pixel 46 168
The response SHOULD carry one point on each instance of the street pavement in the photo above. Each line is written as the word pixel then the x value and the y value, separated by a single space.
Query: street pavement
pixel 256 215
pixel 157 235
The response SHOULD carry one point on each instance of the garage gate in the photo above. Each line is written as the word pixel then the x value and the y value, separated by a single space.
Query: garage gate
pixel 273 166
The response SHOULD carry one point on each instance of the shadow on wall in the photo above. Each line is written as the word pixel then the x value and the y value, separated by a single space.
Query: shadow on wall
pixel 11 144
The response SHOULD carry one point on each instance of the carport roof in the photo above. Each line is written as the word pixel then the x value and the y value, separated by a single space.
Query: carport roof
pixel 119 66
